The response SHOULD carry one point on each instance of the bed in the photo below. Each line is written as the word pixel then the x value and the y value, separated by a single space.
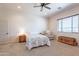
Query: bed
pixel 37 40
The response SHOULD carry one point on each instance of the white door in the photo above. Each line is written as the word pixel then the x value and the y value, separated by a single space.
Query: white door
pixel 3 29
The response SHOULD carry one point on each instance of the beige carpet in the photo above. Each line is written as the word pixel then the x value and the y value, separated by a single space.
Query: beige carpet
pixel 56 49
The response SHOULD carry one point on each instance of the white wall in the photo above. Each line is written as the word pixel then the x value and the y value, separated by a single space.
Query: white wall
pixel 14 22
pixel 31 23
pixel 53 22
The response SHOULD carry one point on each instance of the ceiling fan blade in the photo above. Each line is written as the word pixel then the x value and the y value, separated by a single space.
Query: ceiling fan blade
pixel 47 3
pixel 47 7
pixel 36 6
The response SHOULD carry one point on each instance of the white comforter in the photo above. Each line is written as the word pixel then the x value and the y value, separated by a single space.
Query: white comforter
pixel 37 40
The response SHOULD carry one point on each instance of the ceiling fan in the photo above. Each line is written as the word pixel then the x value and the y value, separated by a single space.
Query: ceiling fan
pixel 43 5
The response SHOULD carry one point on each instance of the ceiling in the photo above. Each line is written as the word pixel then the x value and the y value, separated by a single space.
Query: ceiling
pixel 28 9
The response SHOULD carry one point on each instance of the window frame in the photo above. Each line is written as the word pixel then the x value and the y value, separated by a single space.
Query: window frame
pixel 71 24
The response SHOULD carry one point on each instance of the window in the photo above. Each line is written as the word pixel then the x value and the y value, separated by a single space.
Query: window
pixel 60 25
pixel 75 23
pixel 69 24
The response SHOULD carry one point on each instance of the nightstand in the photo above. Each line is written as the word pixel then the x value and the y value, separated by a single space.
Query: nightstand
pixel 22 38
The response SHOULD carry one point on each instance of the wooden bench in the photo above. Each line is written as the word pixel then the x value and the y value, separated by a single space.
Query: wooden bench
pixel 68 40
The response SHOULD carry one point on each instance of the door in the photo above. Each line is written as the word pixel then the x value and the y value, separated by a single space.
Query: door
pixel 3 29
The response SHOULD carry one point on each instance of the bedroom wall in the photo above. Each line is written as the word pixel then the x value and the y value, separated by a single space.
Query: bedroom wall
pixel 53 22
pixel 31 24
pixel 14 22
pixel 3 27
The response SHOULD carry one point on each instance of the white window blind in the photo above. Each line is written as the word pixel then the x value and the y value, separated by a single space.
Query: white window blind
pixel 69 24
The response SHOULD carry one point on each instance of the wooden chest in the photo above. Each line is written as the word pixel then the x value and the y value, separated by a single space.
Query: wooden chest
pixel 68 40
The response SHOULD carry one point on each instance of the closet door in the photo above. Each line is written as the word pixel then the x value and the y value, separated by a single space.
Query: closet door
pixel 3 29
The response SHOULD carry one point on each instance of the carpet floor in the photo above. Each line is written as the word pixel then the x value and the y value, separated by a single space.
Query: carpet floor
pixel 56 49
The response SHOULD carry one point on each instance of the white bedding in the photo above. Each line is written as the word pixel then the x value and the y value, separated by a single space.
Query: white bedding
pixel 37 40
